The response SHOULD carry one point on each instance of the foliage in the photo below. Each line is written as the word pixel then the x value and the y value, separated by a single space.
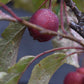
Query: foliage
pixel 9 44
pixel 65 52
pixel 80 4
pixel 44 70
pixel 14 72
pixel 32 6
pixel 5 1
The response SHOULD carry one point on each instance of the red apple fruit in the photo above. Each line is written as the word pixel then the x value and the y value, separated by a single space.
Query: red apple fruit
pixel 46 19
pixel 76 77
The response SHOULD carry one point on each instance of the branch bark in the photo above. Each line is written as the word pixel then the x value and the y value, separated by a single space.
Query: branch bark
pixel 76 11
pixel 79 27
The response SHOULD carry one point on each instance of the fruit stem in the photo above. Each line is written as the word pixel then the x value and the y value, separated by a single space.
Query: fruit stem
pixel 43 3
pixel 61 17
pixel 49 51
pixel 50 4
pixel 65 8
pixel 49 32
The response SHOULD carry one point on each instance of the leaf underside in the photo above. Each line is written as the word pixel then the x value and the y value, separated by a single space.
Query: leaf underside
pixel 44 70
pixel 9 44
pixel 15 72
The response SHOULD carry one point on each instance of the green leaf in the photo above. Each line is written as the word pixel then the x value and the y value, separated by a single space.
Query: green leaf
pixel 33 5
pixel 79 4
pixel 44 70
pixel 5 1
pixel 29 5
pixel 55 6
pixel 9 44
pixel 15 71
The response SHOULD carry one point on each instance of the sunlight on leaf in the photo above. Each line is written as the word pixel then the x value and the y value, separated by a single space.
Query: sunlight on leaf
pixel 2 74
pixel 44 70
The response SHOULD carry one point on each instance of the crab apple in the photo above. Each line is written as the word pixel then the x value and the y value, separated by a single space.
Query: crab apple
pixel 46 19
pixel 76 77
pixel 80 70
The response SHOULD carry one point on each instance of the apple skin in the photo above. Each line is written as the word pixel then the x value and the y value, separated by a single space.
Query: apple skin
pixel 80 70
pixel 76 77
pixel 46 19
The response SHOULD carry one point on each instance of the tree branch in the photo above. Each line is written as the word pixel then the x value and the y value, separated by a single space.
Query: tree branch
pixel 76 11
pixel 79 27
pixel 52 32
pixel 49 51
pixel 28 24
